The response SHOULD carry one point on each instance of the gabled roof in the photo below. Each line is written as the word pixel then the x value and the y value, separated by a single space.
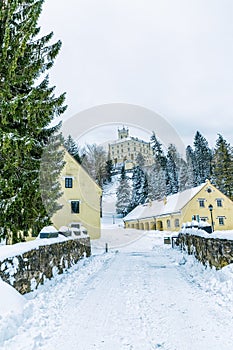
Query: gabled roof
pixel 79 166
pixel 173 204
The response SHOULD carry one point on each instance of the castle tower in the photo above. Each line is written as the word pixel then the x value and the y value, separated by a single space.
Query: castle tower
pixel 123 133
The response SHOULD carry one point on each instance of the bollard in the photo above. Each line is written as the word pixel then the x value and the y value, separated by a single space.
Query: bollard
pixel 106 247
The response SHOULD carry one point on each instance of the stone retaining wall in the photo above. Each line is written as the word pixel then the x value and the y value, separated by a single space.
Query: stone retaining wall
pixel 26 271
pixel 209 251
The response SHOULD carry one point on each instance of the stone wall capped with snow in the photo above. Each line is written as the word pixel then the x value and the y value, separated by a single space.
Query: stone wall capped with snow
pixel 212 251
pixel 27 270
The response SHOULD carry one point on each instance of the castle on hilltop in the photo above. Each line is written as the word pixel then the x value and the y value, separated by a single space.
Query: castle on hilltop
pixel 125 150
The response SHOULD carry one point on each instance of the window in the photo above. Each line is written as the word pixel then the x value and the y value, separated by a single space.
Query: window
pixel 209 189
pixel 177 223
pixel 219 202
pixel 201 203
pixel 74 207
pixel 168 223
pixel 68 182
pixel 221 220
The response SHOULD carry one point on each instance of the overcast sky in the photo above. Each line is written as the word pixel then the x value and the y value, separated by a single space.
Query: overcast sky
pixel 174 57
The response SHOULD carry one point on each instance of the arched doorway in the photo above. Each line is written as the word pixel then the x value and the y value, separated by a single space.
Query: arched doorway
pixel 159 225
pixel 152 225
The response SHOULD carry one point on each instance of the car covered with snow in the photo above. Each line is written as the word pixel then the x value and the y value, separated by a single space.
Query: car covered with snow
pixel 73 230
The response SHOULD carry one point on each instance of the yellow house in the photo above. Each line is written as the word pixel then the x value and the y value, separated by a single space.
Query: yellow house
pixel 81 199
pixel 171 212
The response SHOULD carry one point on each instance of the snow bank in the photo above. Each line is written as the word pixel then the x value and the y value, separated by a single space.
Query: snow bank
pixel 11 311
pixel 10 300
pixel 48 229
pixel 215 282
pixel 216 234
pixel 8 251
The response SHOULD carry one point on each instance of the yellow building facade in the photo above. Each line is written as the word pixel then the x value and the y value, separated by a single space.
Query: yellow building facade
pixel 126 148
pixel 171 212
pixel 81 199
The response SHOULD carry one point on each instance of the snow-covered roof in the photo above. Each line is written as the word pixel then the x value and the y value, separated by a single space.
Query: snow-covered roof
pixel 171 205
pixel 129 138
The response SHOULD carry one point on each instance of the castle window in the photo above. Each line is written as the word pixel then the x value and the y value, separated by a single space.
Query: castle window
pixel 219 202
pixel 177 223
pixel 168 223
pixel 68 182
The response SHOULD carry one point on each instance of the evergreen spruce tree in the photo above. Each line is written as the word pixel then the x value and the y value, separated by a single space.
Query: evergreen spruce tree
pixel 145 188
pixel 157 150
pixel 203 159
pixel 191 170
pixel 139 188
pixel 140 160
pixel 157 187
pixel 109 169
pixel 123 194
pixel 158 175
pixel 183 176
pixel 223 167
pixel 27 107
pixel 172 170
pixel 73 149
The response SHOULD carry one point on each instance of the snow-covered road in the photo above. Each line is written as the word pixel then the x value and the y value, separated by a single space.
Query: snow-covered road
pixel 136 297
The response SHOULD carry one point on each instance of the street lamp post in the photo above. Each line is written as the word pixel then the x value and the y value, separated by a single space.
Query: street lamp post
pixel 211 215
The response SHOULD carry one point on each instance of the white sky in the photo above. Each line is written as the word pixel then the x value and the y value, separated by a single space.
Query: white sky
pixel 174 57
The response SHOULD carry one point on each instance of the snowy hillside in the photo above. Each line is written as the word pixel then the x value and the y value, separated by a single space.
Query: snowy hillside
pixel 109 199
pixel 109 196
